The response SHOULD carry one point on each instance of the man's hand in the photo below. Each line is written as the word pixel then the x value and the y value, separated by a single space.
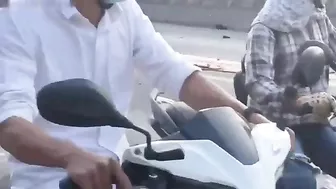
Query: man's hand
pixel 92 172
pixel 320 105
pixel 29 144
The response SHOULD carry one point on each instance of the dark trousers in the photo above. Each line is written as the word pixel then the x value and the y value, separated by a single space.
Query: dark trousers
pixel 318 142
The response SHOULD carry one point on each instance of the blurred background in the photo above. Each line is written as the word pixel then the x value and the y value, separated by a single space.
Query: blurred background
pixel 230 14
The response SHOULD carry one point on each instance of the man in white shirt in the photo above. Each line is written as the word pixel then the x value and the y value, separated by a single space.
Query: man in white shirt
pixel 44 44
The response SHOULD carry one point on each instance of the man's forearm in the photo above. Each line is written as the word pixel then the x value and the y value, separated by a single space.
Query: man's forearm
pixel 199 93
pixel 31 145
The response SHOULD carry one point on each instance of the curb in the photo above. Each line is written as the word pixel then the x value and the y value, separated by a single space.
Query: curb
pixel 226 66
pixel 213 64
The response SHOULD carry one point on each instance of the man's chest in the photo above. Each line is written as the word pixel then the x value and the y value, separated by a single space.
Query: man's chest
pixel 288 46
pixel 103 55
pixel 67 52
pixel 290 43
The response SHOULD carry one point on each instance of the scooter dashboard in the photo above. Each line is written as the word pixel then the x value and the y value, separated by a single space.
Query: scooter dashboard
pixel 225 128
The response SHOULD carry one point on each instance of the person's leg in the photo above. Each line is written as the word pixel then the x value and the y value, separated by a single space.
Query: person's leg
pixel 298 146
pixel 297 173
pixel 319 144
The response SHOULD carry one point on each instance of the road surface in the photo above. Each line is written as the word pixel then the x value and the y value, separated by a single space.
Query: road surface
pixel 204 41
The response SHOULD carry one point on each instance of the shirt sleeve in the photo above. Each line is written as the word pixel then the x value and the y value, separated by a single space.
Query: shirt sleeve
pixel 165 68
pixel 332 35
pixel 259 66
pixel 17 72
pixel 260 74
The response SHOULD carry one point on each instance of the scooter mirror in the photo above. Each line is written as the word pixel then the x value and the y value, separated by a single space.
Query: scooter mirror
pixel 78 103
pixel 310 66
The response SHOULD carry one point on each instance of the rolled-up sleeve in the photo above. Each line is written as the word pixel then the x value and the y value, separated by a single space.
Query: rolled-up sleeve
pixel 332 35
pixel 17 72
pixel 259 67
pixel 165 68
pixel 260 76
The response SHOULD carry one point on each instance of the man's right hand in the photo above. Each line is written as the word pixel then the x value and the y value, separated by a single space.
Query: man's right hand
pixel 31 145
pixel 95 172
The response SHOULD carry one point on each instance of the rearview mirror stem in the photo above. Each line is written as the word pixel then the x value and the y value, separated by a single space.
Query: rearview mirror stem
pixel 146 133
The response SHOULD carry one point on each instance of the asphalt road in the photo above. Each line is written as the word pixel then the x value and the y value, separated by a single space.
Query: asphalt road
pixel 204 41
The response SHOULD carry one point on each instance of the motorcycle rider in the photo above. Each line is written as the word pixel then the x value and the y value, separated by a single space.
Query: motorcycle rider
pixel 273 43
pixel 104 41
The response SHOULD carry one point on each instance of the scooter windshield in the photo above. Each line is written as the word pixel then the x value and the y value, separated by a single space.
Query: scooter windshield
pixel 225 128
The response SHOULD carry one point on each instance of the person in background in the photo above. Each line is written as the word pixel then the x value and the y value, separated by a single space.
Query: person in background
pixel 100 40
pixel 273 44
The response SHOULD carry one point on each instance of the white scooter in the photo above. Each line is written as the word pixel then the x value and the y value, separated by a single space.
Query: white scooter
pixel 212 151
pixel 219 152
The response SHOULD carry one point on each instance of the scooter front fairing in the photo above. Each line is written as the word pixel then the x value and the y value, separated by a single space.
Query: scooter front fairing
pixel 208 163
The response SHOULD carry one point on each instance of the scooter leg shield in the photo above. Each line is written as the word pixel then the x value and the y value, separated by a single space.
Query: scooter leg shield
pixel 297 175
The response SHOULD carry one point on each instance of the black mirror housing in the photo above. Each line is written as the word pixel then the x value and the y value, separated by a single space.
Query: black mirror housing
pixel 78 103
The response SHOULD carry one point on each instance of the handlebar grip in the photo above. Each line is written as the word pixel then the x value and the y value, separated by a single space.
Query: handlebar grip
pixel 67 183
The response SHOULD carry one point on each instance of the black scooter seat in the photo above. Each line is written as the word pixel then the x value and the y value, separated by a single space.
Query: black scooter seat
pixel 180 113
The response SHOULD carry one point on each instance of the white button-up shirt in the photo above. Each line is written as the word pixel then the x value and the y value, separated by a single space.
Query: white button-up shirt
pixel 40 45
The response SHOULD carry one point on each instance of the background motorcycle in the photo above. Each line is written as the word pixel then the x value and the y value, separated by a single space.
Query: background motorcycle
pixel 214 150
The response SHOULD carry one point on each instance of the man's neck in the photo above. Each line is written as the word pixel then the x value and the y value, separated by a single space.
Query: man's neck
pixel 90 9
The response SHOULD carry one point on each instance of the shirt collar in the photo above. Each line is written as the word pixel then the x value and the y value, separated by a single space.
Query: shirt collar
pixel 69 11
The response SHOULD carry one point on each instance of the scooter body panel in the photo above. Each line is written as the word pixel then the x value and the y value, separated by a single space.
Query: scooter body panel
pixel 207 162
